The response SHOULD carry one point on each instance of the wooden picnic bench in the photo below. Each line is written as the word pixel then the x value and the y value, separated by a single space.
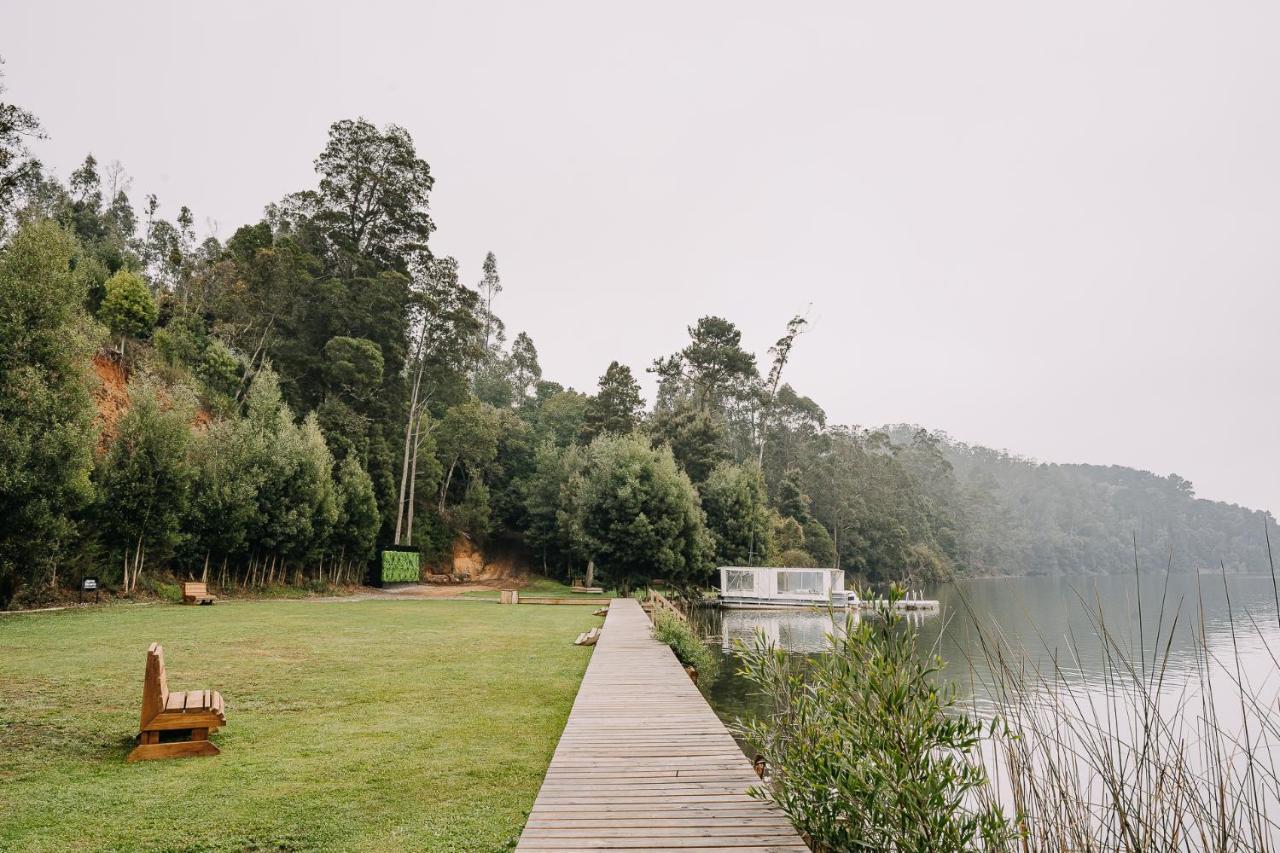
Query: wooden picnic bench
pixel 195 592
pixel 190 716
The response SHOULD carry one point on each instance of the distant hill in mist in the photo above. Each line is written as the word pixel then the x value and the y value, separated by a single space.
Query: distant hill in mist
pixel 1030 518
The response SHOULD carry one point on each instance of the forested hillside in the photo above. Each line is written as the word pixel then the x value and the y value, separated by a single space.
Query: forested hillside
pixel 323 382
pixel 1031 518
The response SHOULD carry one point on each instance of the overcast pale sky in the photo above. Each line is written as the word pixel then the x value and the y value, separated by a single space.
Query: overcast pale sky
pixel 1051 228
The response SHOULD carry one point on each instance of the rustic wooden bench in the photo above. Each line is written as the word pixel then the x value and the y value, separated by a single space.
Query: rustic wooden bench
pixel 195 592
pixel 190 716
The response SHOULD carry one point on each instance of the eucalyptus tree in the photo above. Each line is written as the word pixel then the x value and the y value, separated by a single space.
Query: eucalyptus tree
pixel 296 508
pixel 557 414
pixel 230 461
pixel 18 168
pixel 356 526
pixel 148 248
pixel 372 200
pixel 781 352
pixel 489 287
pixel 466 441
pixel 145 480
pixel 553 520
pixel 444 324
pixel 46 414
pixel 525 370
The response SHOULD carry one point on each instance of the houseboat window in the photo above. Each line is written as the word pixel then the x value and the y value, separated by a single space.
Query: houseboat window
pixel 800 583
pixel 739 582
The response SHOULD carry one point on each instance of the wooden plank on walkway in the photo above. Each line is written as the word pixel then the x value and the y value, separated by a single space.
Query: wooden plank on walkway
pixel 645 764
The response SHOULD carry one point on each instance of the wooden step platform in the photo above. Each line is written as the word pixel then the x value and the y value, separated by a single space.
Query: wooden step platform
pixel 645 764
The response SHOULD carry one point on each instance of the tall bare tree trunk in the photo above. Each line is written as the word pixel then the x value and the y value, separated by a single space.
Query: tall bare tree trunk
pixel 410 427
pixel 404 467
pixel 137 566
pixel 249 370
pixel 444 487
pixel 413 479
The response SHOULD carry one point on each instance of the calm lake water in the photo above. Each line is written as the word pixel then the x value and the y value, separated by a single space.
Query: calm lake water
pixel 1054 619
pixel 1206 635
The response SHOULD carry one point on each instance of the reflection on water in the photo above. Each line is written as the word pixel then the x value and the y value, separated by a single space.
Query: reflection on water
pixel 793 630
pixel 1056 622
pixel 800 630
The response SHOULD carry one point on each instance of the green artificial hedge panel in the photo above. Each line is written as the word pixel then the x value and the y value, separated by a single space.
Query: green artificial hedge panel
pixel 400 567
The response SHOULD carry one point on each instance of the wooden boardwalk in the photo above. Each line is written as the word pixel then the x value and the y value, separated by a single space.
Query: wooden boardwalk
pixel 645 764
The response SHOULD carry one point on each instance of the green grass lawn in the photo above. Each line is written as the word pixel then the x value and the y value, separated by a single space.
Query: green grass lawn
pixel 351 725
pixel 542 586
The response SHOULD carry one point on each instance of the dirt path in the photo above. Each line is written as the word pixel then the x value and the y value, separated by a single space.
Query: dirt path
pixel 413 591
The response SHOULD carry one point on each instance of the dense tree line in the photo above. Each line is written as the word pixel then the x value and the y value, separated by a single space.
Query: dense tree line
pixel 322 382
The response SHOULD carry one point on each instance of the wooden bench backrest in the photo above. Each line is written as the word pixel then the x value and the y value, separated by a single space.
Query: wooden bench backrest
pixel 195 589
pixel 155 687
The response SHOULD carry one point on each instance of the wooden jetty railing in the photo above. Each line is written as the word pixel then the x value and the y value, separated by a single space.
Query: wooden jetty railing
pixel 654 600
pixel 645 764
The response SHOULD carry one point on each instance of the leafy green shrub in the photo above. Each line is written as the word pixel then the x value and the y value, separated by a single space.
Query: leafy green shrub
pixel 866 751
pixel 128 309
pixel 400 566
pixel 219 369
pixel 684 641
pixel 167 591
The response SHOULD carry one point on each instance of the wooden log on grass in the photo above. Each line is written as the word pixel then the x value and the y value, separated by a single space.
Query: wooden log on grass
pixel 588 638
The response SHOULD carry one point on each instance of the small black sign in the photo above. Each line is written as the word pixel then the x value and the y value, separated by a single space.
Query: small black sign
pixel 88 585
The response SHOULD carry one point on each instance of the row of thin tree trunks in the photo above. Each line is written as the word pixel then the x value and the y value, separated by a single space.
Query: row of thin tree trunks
pixel 270 570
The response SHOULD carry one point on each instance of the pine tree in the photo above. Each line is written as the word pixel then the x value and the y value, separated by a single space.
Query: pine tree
pixel 616 407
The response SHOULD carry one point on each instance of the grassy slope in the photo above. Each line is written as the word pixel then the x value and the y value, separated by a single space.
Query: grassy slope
pixel 362 725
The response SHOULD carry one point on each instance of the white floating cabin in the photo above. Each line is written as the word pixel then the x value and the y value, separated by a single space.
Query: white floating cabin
pixel 754 587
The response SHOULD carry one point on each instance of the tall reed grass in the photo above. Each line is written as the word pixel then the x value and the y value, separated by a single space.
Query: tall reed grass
pixel 1152 761
pixel 1160 752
